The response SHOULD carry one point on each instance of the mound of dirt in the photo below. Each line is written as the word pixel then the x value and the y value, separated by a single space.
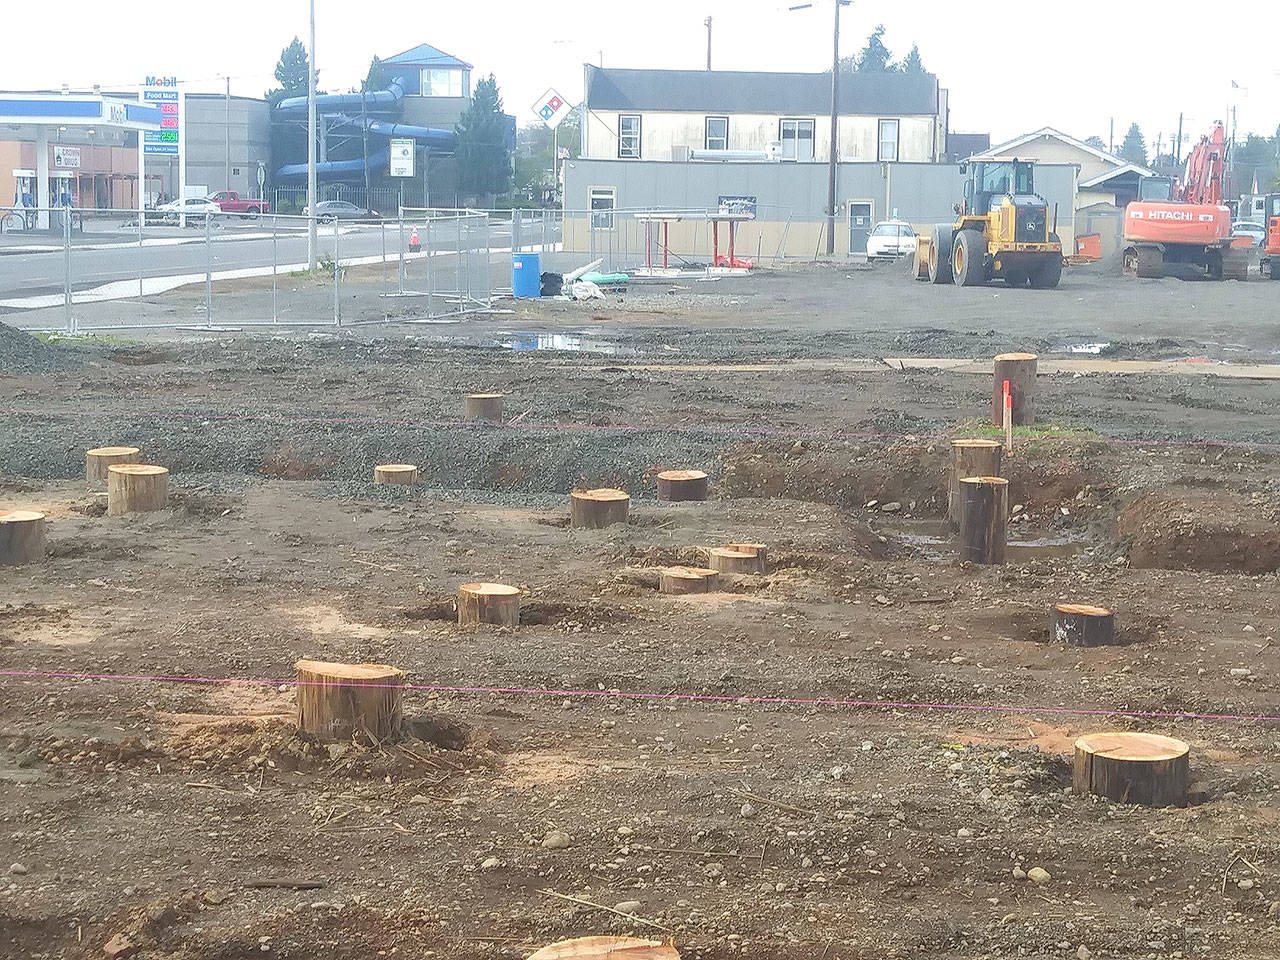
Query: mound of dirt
pixel 1194 531
pixel 22 353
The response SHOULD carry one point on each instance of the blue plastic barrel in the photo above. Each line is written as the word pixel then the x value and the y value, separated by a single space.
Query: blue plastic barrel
pixel 526 277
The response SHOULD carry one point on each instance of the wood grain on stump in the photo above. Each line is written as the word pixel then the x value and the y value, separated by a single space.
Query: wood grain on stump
pixel 21 537
pixel 1143 768
pixel 484 406
pixel 489 603
pixel 984 519
pixel 136 488
pixel 1020 370
pixel 402 474
pixel 1082 625
pixel 688 580
pixel 735 560
pixel 98 459
pixel 970 458
pixel 607 948
pixel 595 509
pixel 345 701
pixel 759 549
pixel 677 485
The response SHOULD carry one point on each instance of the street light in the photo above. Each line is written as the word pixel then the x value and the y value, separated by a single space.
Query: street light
pixel 835 116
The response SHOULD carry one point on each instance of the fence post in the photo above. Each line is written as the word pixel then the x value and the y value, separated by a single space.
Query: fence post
pixel 208 273
pixel 66 280
pixel 458 287
pixel 337 274
pixel 400 248
pixel 430 275
pixel 275 263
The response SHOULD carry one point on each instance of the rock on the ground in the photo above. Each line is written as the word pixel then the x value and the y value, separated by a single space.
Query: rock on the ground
pixel 1039 875
pixel 629 906
pixel 556 840
pixel 17 869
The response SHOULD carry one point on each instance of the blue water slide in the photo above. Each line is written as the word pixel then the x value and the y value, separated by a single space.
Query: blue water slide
pixel 335 102
pixel 377 160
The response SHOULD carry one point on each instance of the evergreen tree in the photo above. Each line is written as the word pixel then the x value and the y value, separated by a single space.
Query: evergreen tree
pixel 292 72
pixel 1134 148
pixel 911 64
pixel 874 57
pixel 1097 143
pixel 378 77
pixel 484 164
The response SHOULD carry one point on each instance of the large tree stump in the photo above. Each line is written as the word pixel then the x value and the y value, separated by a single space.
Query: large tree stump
pixel 489 603
pixel 136 488
pixel 1020 370
pixel 1143 768
pixel 677 485
pixel 1082 625
pixel 345 701
pixel 484 406
pixel 21 537
pixel 984 519
pixel 969 458
pixel 688 580
pixel 759 549
pixel 596 509
pixel 607 948
pixel 401 474
pixel 98 459
pixel 735 560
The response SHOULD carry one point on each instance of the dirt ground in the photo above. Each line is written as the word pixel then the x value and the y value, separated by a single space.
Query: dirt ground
pixel 859 754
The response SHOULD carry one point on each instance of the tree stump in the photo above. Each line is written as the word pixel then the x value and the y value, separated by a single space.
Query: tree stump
pixel 136 488
pixel 484 406
pixel 607 948
pixel 984 519
pixel 1142 768
pixel 98 459
pixel 969 458
pixel 735 560
pixel 345 701
pixel 489 603
pixel 1020 370
pixel 21 537
pixel 677 485
pixel 688 580
pixel 401 474
pixel 596 509
pixel 1082 625
pixel 759 549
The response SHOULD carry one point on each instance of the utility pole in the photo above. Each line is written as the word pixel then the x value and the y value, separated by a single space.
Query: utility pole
pixel 708 23
pixel 364 141
pixel 835 130
pixel 311 144
pixel 1111 138
pixel 226 130
pixel 1177 150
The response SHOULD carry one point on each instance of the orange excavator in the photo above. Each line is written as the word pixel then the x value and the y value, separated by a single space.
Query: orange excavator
pixel 1191 228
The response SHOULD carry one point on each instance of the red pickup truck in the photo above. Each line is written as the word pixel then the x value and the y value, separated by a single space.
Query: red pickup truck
pixel 229 201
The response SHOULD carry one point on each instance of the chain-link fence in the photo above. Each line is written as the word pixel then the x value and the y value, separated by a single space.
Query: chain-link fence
pixel 81 270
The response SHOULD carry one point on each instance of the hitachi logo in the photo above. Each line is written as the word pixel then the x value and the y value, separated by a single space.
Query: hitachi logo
pixel 1185 216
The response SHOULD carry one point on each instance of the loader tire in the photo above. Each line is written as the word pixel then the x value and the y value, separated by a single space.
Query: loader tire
pixel 969 259
pixel 940 254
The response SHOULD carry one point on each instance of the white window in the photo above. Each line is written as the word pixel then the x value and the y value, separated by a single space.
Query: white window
pixel 717 136
pixel 797 139
pixel 888 140
pixel 629 137
pixel 442 83
pixel 603 200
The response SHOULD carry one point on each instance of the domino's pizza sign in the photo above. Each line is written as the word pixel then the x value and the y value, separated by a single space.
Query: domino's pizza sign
pixel 552 108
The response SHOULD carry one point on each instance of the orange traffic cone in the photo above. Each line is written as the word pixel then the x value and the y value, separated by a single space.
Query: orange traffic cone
pixel 414 245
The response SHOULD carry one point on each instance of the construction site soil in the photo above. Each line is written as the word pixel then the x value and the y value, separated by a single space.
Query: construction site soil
pixel 863 753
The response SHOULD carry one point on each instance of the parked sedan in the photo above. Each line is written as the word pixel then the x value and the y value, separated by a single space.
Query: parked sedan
pixel 195 209
pixel 328 211
pixel 891 239
pixel 1248 228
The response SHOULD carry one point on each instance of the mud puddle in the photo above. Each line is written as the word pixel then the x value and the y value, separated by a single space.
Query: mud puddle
pixel 933 540
pixel 567 343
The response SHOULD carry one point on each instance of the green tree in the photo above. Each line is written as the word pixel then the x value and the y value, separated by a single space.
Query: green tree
pixel 1097 143
pixel 911 64
pixel 1134 148
pixel 484 163
pixel 378 77
pixel 534 148
pixel 874 57
pixel 292 72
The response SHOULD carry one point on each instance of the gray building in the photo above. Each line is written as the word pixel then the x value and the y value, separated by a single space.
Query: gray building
pixel 227 137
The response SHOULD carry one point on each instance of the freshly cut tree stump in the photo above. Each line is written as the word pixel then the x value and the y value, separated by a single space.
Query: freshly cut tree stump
pixel 1020 370
pixel 759 549
pixel 489 603
pixel 735 560
pixel 484 406
pixel 677 485
pixel 1143 768
pixel 970 458
pixel 607 948
pixel 98 459
pixel 688 580
pixel 403 474
pixel 1082 625
pixel 984 519
pixel 21 537
pixel 595 509
pixel 345 701
pixel 136 488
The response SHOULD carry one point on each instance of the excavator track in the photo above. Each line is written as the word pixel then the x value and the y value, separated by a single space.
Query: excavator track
pixel 1240 263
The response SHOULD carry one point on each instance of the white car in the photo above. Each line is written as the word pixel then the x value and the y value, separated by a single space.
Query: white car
pixel 195 209
pixel 891 239
pixel 1256 232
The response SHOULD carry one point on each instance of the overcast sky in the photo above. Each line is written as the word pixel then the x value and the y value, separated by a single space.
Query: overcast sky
pixel 1072 66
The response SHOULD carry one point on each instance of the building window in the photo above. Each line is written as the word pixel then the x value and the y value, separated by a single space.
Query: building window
pixel 442 83
pixel 888 140
pixel 629 137
pixel 797 139
pixel 717 136
pixel 603 200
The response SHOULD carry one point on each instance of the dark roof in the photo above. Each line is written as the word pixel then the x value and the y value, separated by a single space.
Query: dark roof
pixel 425 55
pixel 744 91
pixel 967 144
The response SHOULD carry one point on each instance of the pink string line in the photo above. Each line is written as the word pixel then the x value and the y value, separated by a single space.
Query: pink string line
pixel 669 697
pixel 790 433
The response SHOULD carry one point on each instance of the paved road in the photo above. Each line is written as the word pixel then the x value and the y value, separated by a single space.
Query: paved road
pixel 94 262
